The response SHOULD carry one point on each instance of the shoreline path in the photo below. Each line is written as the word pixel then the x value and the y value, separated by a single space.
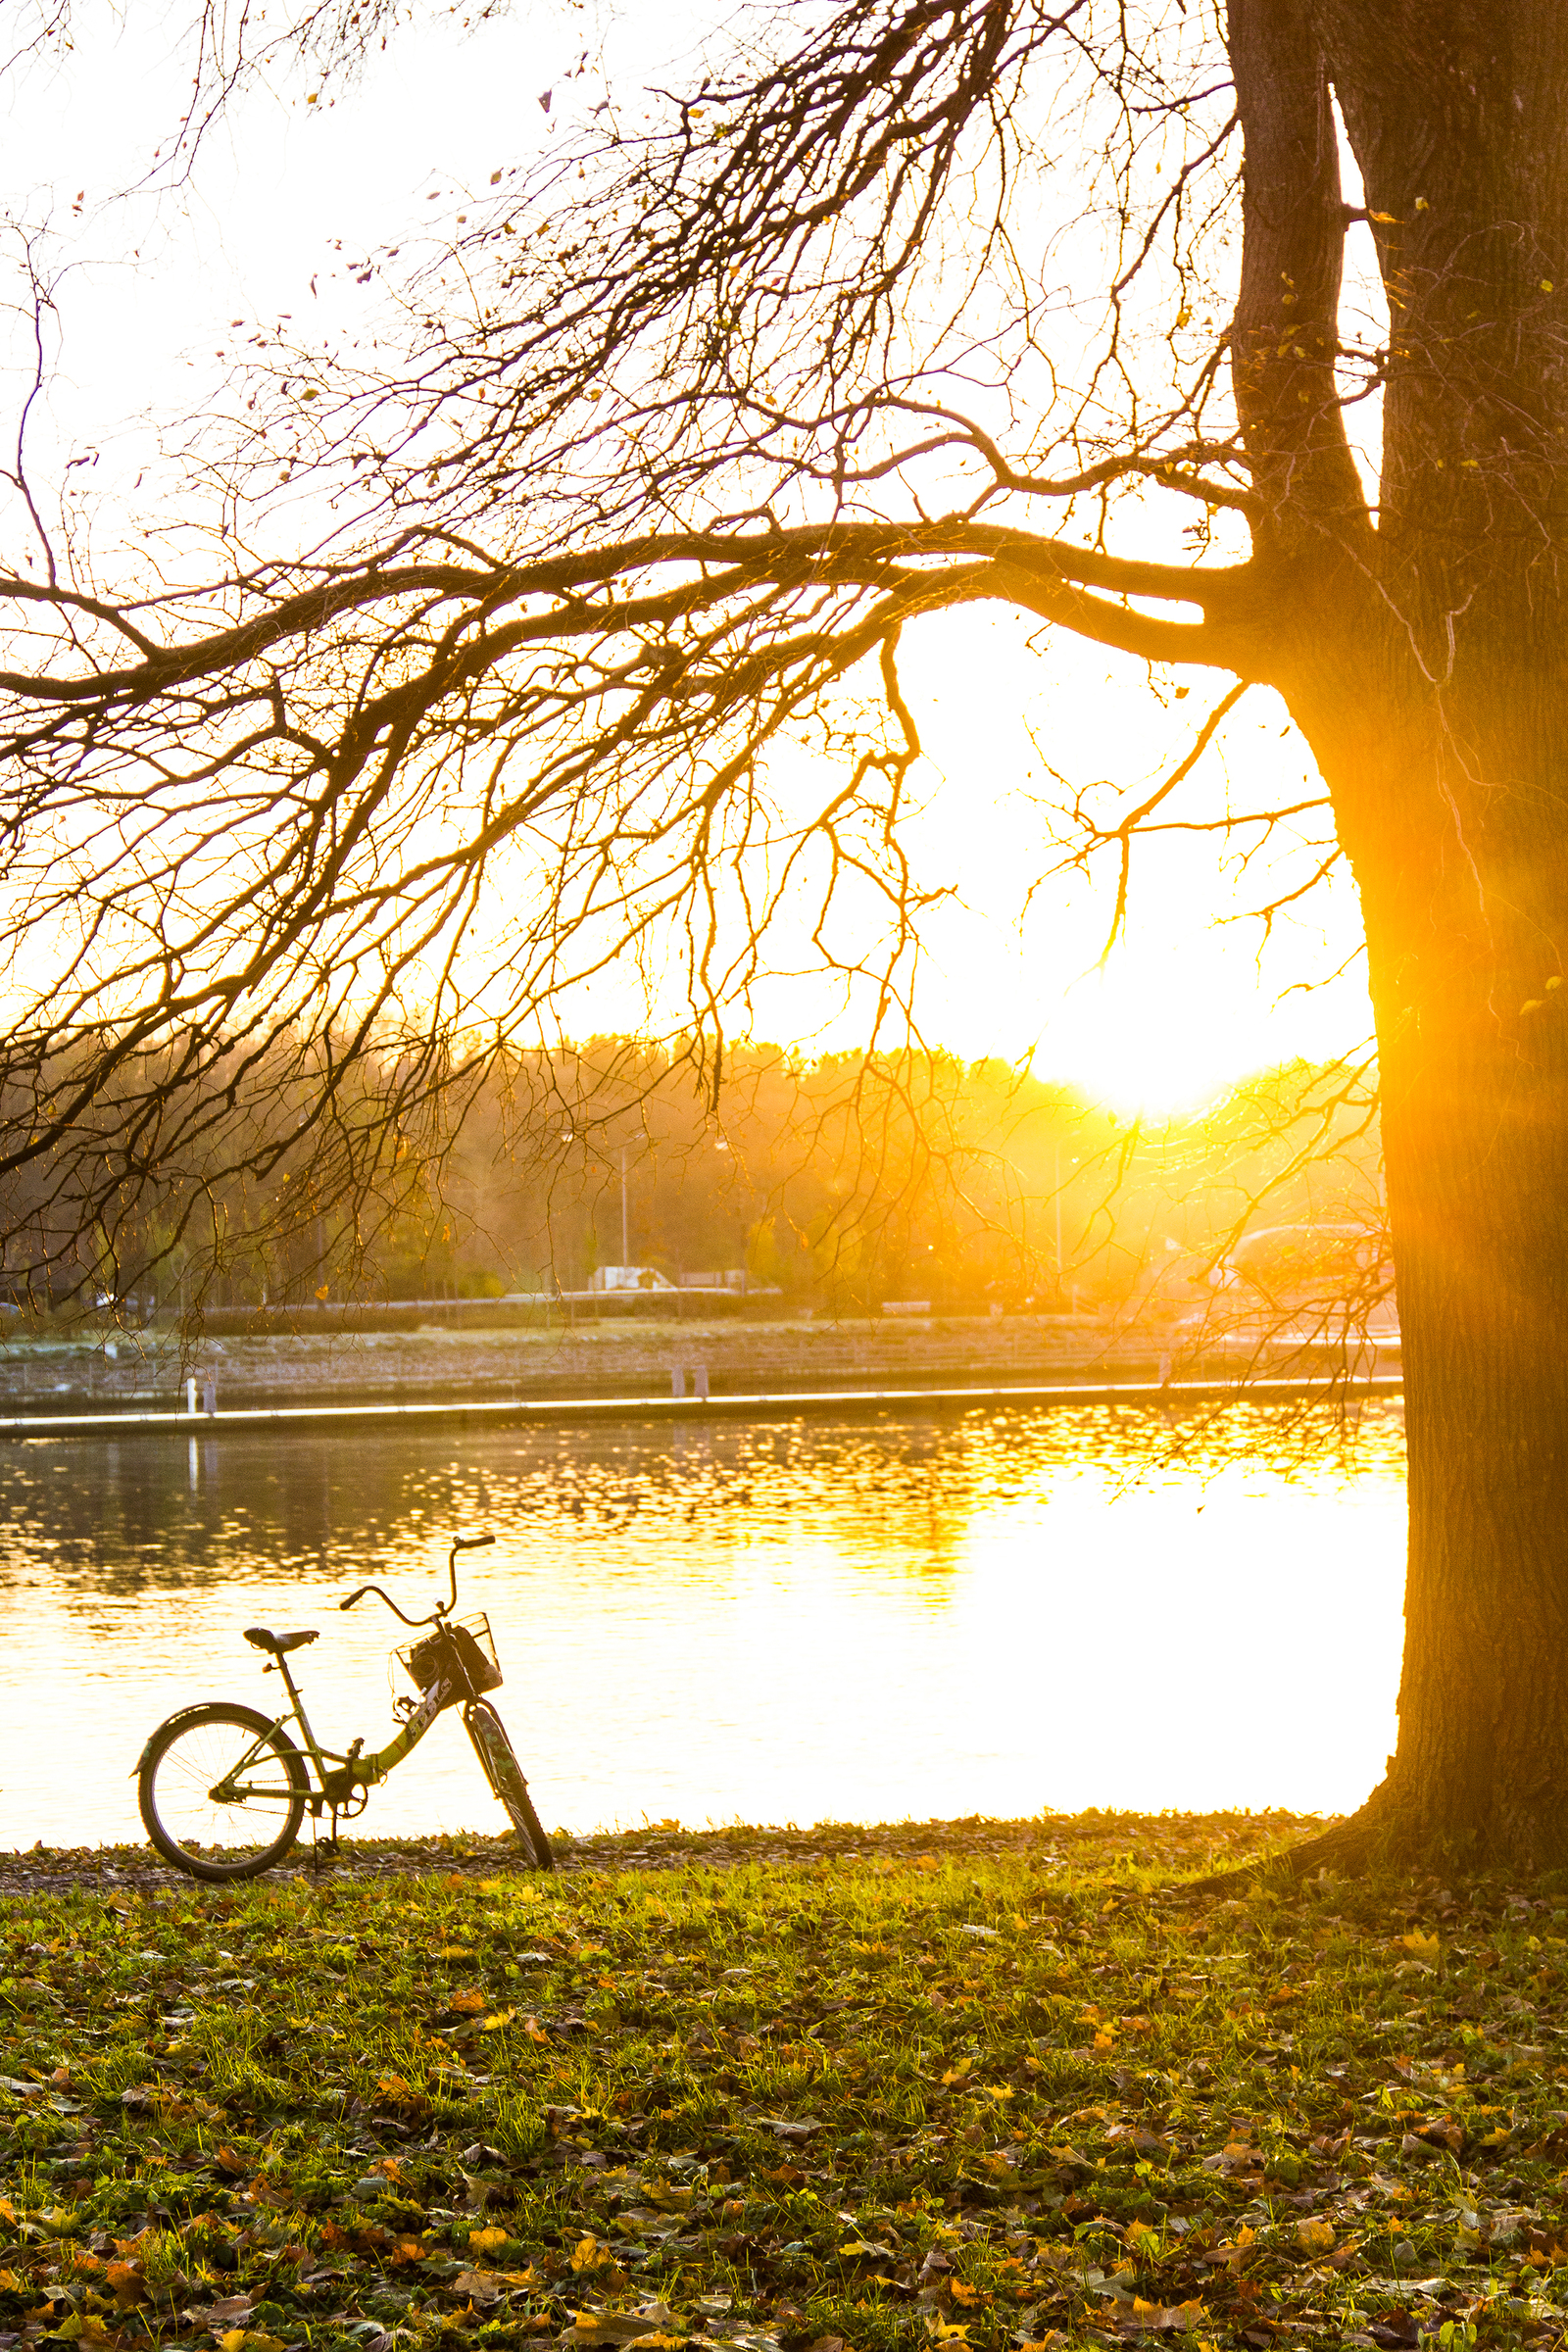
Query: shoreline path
pixel 1064 1841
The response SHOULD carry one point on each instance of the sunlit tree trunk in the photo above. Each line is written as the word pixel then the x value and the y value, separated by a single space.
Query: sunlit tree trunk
pixel 1428 672
pixel 1466 939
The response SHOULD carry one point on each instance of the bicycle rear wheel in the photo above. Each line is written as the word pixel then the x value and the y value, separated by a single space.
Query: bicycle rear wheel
pixel 505 1775
pixel 215 1781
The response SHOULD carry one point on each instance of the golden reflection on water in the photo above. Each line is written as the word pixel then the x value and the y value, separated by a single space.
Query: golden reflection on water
pixel 852 1618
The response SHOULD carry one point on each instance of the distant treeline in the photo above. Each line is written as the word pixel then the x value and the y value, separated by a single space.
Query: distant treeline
pixel 846 1180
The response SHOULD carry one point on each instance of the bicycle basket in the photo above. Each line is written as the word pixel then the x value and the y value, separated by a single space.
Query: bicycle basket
pixel 463 1655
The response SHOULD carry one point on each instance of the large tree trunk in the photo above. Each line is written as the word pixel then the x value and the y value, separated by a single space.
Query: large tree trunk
pixel 1462 879
pixel 1428 674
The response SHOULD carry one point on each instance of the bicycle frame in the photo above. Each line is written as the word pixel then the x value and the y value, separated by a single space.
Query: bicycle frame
pixel 351 1770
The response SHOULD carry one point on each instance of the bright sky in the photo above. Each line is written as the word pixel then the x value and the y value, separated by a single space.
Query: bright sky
pixel 289 194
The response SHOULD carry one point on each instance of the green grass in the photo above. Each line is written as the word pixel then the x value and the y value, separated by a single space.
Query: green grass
pixel 998 2087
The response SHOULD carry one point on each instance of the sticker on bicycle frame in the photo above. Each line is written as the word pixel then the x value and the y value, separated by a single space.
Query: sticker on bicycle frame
pixel 429 1709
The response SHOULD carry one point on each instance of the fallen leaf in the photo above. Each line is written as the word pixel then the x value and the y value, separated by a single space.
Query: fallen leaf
pixel 480 2286
pixel 129 2282
pixel 232 2310
pixel 653 2323
pixel 397 2091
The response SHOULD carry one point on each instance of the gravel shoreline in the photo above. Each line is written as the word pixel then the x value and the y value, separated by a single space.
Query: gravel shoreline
pixel 120 1873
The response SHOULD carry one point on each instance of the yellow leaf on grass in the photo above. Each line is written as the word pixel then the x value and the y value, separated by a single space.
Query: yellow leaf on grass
pixel 482 2240
pixel 1424 1948
pixel 588 2254
pixel 502 2017
pixel 470 2002
pixel 127 2280
pixel 1314 2236
pixel 534 2030
pixel 968 2296
pixel 8 2211
pixel 399 2091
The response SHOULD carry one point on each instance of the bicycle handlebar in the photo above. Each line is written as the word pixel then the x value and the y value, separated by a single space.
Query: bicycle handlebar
pixel 443 1608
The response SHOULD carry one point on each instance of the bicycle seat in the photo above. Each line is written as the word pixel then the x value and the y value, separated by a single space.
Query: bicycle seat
pixel 260 1639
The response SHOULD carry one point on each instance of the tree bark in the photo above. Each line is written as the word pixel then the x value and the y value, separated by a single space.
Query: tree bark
pixel 1430 679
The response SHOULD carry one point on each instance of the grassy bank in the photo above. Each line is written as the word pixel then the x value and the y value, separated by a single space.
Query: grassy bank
pixel 994 2086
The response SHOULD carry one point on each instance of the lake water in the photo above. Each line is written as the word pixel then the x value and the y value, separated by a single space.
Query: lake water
pixel 852 1618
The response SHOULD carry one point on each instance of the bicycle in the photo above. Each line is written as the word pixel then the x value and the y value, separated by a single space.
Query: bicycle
pixel 223 1768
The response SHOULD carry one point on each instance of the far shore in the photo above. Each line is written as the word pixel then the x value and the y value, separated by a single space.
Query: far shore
pixel 441 1361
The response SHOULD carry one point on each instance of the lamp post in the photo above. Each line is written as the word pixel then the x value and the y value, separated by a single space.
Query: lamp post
pixel 1059 1217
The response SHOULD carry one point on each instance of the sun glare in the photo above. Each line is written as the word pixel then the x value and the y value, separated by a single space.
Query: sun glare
pixel 1148 1037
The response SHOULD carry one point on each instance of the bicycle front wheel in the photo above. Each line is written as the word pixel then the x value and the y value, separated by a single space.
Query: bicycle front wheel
pixel 221 1792
pixel 504 1776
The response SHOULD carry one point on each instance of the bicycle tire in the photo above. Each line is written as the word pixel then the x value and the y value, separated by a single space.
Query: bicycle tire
pixel 504 1773
pixel 185 1759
